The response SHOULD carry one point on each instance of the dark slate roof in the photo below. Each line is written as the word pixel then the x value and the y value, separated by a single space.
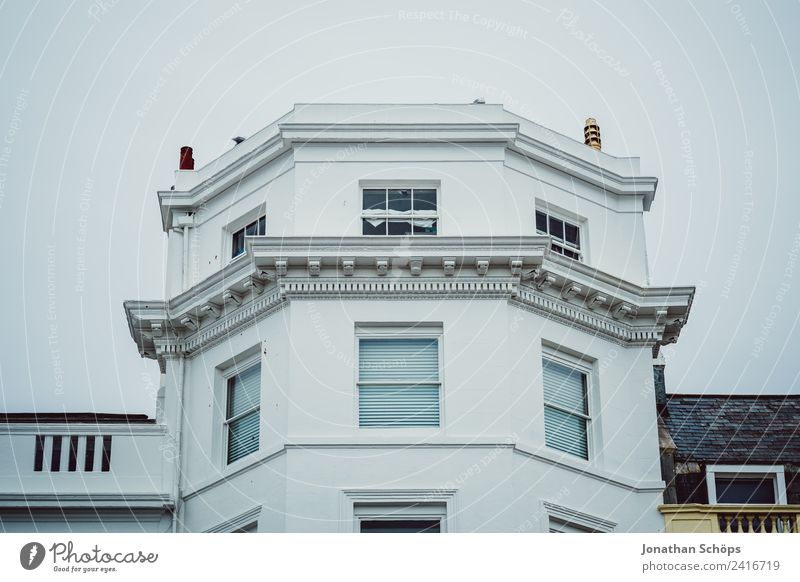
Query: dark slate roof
pixel 734 429
pixel 74 417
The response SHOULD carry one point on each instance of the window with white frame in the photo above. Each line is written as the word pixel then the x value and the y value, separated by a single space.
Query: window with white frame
pixel 746 484
pixel 566 235
pixel 400 517
pixel 566 407
pixel 561 519
pixel 242 412
pixel 399 383
pixel 258 227
pixel 558 526
pixel 399 211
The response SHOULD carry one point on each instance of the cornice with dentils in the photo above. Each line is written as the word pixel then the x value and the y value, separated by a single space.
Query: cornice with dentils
pixel 523 270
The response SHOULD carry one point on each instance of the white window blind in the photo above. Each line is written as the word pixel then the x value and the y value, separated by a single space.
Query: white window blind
pixel 398 382
pixel 565 410
pixel 244 402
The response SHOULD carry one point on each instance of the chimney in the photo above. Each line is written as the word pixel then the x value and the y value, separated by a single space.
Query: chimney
pixel 591 134
pixel 187 161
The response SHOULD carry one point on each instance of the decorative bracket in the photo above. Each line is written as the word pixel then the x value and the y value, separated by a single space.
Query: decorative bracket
pixel 543 279
pixel 314 266
pixel 596 300
pixel 348 266
pixel 661 315
pixel 281 266
pixel 255 284
pixel 449 266
pixel 415 264
pixel 231 296
pixel 516 266
pixel 212 309
pixel 623 310
pixel 156 329
pixel 482 266
pixel 571 289
pixel 190 321
pixel 382 266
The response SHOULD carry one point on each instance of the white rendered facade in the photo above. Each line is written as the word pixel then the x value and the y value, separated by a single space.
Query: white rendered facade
pixel 492 294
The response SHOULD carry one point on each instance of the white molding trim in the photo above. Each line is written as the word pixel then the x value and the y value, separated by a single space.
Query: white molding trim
pixel 86 500
pixel 576 518
pixel 350 497
pixel 83 428
pixel 237 522
pixel 538 453
pixel 517 269
pixel 779 479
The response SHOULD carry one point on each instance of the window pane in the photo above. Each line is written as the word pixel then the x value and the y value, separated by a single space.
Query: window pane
pixel 399 227
pixel 564 386
pixel 243 436
pixel 401 526
pixel 398 406
pixel 244 391
pixel 373 226
pixel 541 222
pixel 565 432
pixel 400 360
pixel 425 226
pixel 571 234
pixel 251 229
pixel 556 228
pixel 238 243
pixel 424 199
pixel 400 199
pixel 262 226
pixel 745 489
pixel 374 199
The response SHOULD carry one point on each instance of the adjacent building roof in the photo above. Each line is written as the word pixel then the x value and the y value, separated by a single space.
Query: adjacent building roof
pixel 734 429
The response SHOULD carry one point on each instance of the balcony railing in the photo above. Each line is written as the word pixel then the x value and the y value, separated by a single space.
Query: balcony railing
pixel 698 518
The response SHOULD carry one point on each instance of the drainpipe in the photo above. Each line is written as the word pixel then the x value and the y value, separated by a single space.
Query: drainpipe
pixel 185 262
pixel 176 487
pixel 183 225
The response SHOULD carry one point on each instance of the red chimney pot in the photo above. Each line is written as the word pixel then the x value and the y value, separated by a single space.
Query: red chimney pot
pixel 187 161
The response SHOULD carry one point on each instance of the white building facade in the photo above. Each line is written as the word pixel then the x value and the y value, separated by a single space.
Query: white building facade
pixel 406 318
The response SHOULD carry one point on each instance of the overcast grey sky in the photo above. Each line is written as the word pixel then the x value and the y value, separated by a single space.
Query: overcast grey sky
pixel 97 97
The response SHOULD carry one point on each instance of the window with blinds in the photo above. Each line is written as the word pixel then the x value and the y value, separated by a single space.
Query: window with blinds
pixel 242 413
pixel 566 412
pixel 398 382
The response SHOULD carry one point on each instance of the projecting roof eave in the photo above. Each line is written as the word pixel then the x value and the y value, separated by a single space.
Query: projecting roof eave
pixel 145 319
pixel 523 270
